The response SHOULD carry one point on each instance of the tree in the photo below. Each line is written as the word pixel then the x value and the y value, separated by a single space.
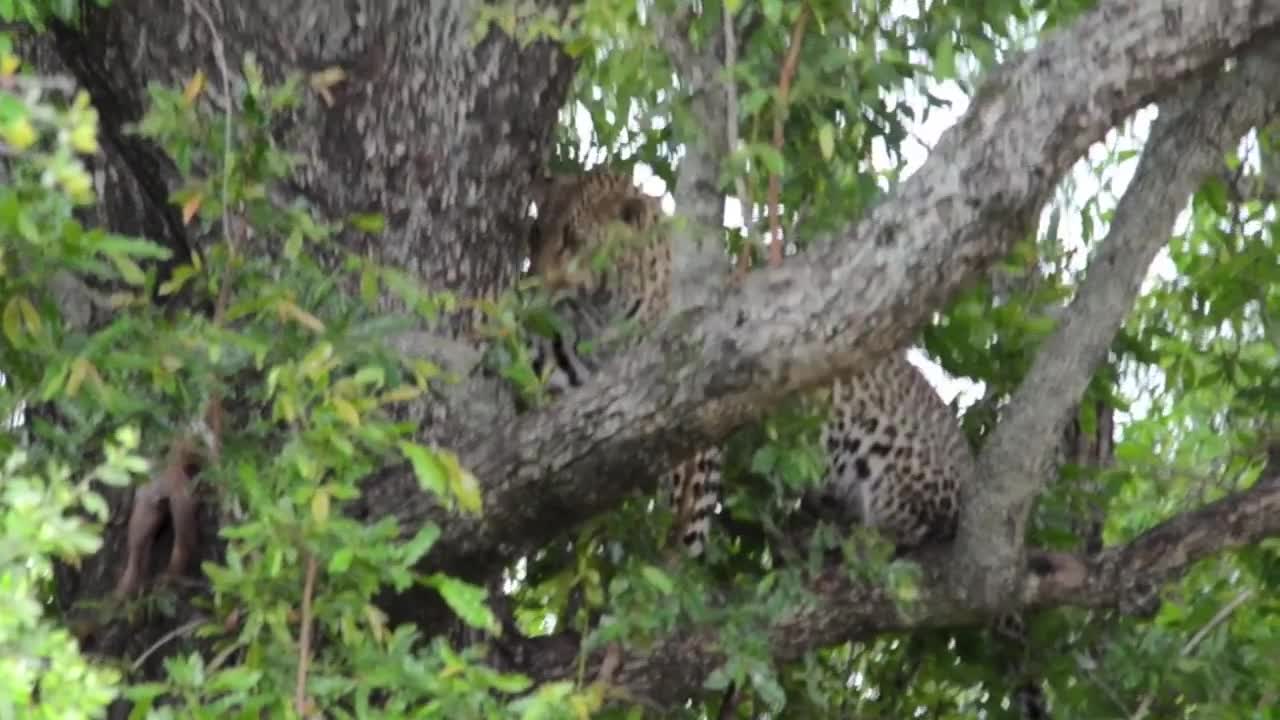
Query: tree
pixel 281 188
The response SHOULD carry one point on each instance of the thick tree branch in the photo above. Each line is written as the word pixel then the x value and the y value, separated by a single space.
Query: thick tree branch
pixel 841 610
pixel 1188 143
pixel 846 303
pixel 1167 551
pixel 697 247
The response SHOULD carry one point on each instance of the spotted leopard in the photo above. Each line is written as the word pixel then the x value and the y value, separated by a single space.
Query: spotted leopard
pixel 897 460
pixel 896 455
pixel 580 218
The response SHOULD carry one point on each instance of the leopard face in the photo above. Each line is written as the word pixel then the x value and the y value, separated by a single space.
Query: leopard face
pixel 599 236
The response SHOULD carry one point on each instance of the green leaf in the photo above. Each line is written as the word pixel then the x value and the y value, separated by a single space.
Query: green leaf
pixel 111 244
pixel 510 683
pixel 718 679
pixel 427 467
pixel 421 543
pixel 340 561
pixel 95 505
pixel 764 460
pixel 1214 193
pixel 13 322
pixel 372 223
pixel 944 59
pixel 462 483
pixel 467 601
pixel 129 270
pixel 658 579
pixel 827 140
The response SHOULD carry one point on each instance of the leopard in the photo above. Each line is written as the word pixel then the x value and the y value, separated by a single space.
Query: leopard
pixel 898 461
pixel 896 455
pixel 578 216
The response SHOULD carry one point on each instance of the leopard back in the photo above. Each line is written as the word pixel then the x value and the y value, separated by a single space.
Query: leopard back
pixel 897 459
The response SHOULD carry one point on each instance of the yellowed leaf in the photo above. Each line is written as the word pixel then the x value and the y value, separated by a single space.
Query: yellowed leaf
pixel 193 88
pixel 80 369
pixel 320 506
pixel 346 411
pixel 191 207
pixel 377 622
pixel 400 394
pixel 287 309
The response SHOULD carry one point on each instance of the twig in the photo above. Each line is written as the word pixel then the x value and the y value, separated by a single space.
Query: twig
pixel 779 119
pixel 1220 617
pixel 731 136
pixel 1216 620
pixel 1107 690
pixel 730 703
pixel 220 59
pixel 184 629
pixel 304 638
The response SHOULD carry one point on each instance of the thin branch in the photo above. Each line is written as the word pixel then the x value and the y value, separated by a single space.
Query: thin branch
pixel 220 58
pixel 779 120
pixel 743 263
pixel 184 629
pixel 1218 618
pixel 1107 690
pixel 304 638
pixel 698 245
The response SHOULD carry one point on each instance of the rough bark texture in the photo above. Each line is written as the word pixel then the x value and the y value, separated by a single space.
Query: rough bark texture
pixel 441 137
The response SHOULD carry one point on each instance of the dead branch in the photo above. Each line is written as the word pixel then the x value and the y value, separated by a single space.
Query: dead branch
pixel 779 120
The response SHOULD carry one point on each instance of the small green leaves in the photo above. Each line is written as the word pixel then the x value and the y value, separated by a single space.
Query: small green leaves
pixel 467 600
pixel 658 579
pixel 439 472
pixel 427 467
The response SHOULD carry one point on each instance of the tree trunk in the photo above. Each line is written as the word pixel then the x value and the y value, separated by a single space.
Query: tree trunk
pixel 439 134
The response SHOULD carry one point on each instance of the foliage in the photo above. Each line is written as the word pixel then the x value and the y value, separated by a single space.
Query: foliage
pixel 311 390
pixel 42 673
